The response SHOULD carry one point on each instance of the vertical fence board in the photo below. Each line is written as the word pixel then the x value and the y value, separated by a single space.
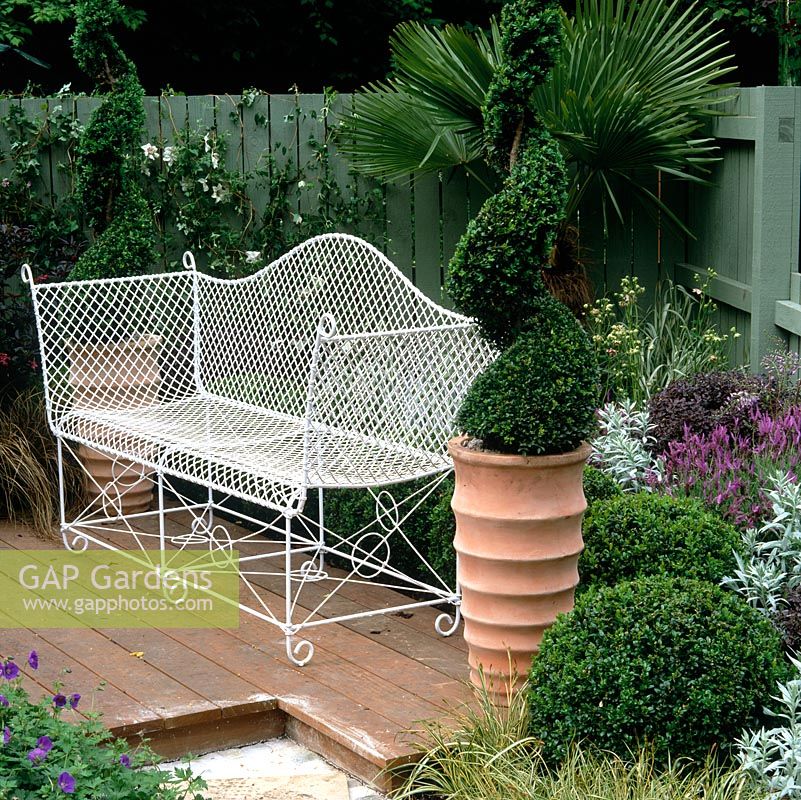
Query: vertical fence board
pixel 173 125
pixel 35 109
pixel 311 135
pixel 400 235
pixel 284 139
pixel 5 162
pixel 255 151
pixel 454 217
pixel 427 235
pixel 338 169
pixel 776 179
pixel 61 159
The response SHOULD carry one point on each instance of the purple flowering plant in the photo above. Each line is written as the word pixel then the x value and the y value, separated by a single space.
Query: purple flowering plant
pixel 48 749
pixel 730 467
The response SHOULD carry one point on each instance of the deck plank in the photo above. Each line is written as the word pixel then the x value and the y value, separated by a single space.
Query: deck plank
pixel 369 683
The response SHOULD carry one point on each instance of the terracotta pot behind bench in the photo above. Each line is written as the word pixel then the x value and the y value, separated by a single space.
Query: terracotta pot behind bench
pixel 112 376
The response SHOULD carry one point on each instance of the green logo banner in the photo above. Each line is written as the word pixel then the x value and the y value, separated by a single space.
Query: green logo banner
pixel 119 589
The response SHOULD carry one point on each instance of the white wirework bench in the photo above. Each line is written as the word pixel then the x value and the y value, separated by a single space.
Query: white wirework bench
pixel 325 369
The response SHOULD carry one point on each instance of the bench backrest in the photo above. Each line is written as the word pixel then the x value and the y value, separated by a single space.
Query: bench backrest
pixel 257 333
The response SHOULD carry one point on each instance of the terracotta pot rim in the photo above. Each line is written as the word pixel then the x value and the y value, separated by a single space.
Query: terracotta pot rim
pixel 492 457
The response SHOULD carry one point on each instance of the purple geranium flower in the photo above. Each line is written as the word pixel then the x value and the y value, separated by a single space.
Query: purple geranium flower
pixel 74 699
pixel 44 743
pixel 33 659
pixel 6 735
pixel 10 670
pixel 66 783
pixel 37 754
pixel 3 700
pixel 125 760
pixel 59 700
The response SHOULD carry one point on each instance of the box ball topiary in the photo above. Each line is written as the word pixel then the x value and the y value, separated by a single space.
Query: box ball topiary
pixel 678 662
pixel 538 397
pixel 650 534
pixel 599 486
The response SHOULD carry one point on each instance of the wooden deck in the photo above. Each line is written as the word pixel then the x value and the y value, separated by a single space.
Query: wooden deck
pixel 369 683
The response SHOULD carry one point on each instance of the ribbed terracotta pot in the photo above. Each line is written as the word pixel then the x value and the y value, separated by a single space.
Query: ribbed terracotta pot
pixel 518 539
pixel 111 376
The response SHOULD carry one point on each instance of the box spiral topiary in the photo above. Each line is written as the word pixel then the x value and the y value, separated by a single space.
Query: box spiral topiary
pixel 107 187
pixel 680 663
pixel 649 534
pixel 539 397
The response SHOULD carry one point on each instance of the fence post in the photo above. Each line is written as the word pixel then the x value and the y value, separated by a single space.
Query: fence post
pixel 777 175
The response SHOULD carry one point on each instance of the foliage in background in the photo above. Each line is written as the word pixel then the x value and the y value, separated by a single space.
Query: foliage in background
pixel 771 757
pixel 789 620
pixel 641 534
pixel 107 187
pixel 643 350
pixel 617 114
pixel 46 750
pixel 29 465
pixel 623 447
pixel 203 205
pixel 429 528
pixel 702 402
pixel 680 663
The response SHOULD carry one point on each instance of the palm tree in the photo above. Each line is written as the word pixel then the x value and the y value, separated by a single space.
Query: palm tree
pixel 631 93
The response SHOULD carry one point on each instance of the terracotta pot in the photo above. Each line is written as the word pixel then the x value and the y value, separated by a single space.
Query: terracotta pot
pixel 518 539
pixel 114 376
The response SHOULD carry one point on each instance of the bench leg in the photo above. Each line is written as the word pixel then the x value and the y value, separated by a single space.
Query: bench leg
pixel 299 652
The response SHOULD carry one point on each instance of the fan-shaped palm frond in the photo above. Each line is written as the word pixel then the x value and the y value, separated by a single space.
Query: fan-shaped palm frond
pixel 630 93
pixel 427 116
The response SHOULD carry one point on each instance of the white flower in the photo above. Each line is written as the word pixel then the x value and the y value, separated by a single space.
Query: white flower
pixel 186 185
pixel 206 141
pixel 301 184
pixel 150 151
pixel 168 156
pixel 204 183
pixel 215 160
pixel 218 193
pixel 64 90
pixel 252 256
pixel 297 219
pixel 698 291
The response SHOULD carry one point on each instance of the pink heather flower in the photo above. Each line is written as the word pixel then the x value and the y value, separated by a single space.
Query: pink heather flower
pixel 5 359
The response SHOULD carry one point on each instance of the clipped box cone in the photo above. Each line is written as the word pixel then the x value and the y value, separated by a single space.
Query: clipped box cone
pixel 518 539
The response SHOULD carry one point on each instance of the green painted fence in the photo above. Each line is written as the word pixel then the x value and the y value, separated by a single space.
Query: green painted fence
pixel 746 223
pixel 420 219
